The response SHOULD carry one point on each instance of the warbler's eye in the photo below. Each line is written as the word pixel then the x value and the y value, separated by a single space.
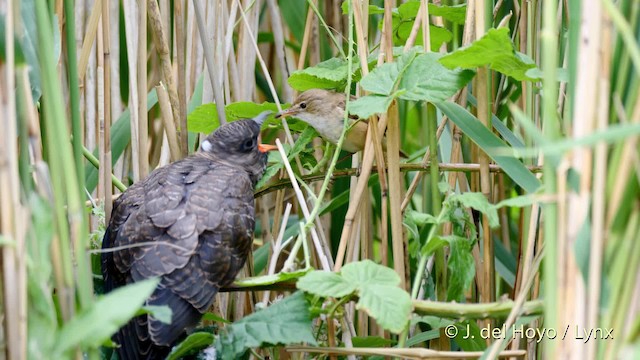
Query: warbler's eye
pixel 248 144
pixel 303 105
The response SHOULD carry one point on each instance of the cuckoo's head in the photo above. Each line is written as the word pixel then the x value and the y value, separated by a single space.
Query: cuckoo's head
pixel 236 143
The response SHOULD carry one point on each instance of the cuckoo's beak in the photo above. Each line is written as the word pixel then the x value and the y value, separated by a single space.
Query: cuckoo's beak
pixel 263 148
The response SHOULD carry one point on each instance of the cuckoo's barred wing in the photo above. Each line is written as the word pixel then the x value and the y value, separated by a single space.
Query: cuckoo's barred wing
pixel 191 224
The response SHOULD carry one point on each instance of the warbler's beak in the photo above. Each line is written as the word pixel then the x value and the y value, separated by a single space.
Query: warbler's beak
pixel 263 148
pixel 284 113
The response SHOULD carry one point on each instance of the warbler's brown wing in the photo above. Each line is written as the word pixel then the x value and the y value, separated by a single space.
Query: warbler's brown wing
pixel 189 223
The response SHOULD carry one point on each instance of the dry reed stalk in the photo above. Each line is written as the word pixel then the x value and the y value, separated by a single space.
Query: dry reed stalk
pixel 306 37
pixel 570 304
pixel 100 115
pixel 224 60
pixel 246 53
pixel 132 39
pixel 363 51
pixel 210 59
pixel 106 55
pixel 117 107
pixel 398 242
pixel 79 11
pixel 87 82
pixel 314 49
pixel 229 58
pixel 265 70
pixel 625 167
pixel 278 39
pixel 167 121
pixel 190 49
pixel 162 47
pixel 90 36
pixel 143 118
pixel 179 38
pixel 599 187
pixel 487 291
pixel 367 165
pixel 12 213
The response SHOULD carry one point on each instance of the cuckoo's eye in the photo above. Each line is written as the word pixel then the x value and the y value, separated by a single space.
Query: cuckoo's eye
pixel 248 145
pixel 303 105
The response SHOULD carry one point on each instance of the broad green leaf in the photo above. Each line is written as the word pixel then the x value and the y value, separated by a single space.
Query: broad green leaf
pixel 455 13
pixel 334 69
pixel 305 138
pixel 422 337
pixel 412 77
pixel 404 17
pixel 367 272
pixel 271 171
pixel 518 201
pixel 285 322
pixel 488 141
pixel 434 321
pixel 411 227
pixel 204 118
pixel 301 81
pixel 368 105
pixel 494 49
pixel 562 74
pixel 28 44
pixel 270 279
pixel 326 284
pixel 329 74
pixel 409 10
pixel 421 219
pixel 95 325
pixel 461 267
pixel 42 320
pixel 500 127
pixel 427 80
pixel 479 202
pixel 437 35
pixel 389 305
pixel 191 345
pixel 162 313
pixel 214 318
pixel 433 244
pixel 382 80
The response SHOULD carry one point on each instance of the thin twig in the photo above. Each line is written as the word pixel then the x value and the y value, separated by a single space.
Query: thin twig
pixel 457 167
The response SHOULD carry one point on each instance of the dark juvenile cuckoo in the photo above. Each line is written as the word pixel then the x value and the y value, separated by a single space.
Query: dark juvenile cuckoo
pixel 189 223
